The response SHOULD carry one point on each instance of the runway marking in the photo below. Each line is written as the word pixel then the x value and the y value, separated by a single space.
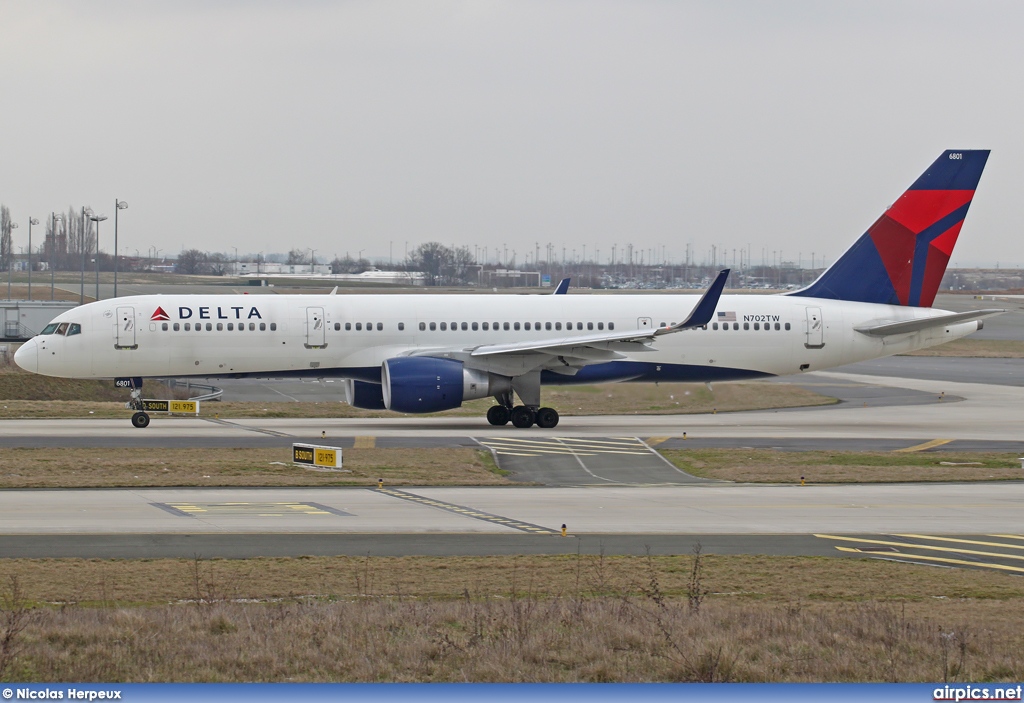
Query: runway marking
pixel 943 560
pixel 282 509
pixel 574 446
pixel 364 442
pixel 908 545
pixel 921 447
pixel 467 512
pixel 965 541
pixel 1007 536
pixel 272 433
pixel 655 441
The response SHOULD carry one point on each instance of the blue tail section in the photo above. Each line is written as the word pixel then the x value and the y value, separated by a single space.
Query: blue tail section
pixel 901 258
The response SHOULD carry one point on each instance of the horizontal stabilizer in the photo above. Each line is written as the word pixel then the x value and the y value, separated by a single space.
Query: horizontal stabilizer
pixel 884 329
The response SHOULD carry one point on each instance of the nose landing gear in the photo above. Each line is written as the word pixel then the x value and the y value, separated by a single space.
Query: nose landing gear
pixel 139 418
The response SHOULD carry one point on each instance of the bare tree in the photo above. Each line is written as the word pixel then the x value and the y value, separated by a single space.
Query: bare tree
pixel 6 242
pixel 193 261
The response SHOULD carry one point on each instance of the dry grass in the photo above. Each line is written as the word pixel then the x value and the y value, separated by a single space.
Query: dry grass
pixel 520 619
pixel 771 466
pixel 62 467
pixel 41 290
pixel 978 348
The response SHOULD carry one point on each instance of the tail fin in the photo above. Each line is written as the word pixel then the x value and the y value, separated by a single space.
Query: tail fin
pixel 901 258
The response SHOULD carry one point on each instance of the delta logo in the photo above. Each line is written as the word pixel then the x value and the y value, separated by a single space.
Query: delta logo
pixel 205 312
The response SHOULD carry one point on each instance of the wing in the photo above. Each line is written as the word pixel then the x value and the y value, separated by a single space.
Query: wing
pixel 567 355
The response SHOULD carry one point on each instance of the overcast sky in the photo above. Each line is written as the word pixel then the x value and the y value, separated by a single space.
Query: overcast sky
pixel 372 126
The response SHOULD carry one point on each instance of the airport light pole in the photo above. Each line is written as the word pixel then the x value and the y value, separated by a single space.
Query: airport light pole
pixel 97 219
pixel 53 244
pixel 31 221
pixel 81 245
pixel 118 205
pixel 10 261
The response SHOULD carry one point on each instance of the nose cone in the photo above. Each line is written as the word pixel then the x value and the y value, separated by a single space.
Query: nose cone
pixel 27 356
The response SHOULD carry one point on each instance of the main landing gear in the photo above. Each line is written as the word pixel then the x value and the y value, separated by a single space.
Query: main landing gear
pixel 522 416
pixel 525 415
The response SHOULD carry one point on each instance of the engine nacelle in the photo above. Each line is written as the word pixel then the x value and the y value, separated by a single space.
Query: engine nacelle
pixel 360 394
pixel 422 384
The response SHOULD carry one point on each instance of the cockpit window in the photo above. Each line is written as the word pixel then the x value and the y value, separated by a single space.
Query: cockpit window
pixel 49 328
pixel 74 328
pixel 62 328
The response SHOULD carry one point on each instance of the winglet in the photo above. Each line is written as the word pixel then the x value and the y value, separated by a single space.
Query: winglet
pixel 705 308
pixel 334 292
pixel 562 287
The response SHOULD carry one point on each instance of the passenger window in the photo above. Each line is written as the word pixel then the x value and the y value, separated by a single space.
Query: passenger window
pixel 176 327
pixel 401 326
pixel 423 327
pixel 662 324
pixel 444 326
pixel 466 327
pixel 433 326
pixel 252 326
pixel 198 327
pixel 600 325
pixel 714 325
pixel 611 325
pixel 778 326
pixel 337 327
pixel 163 327
pixel 209 327
pixel 735 325
pixel 475 326
pixel 273 326
pixel 558 325
pixel 455 326
pixel 746 325
pixel 188 327
pixel 547 325
pixel 757 325
pixel 263 327
pixel 369 326
pixel 49 328
pixel 505 327
pixel 62 328
pixel 220 326
pixel 516 326
pixel 527 326
pixel 486 326
pixel 380 326
pixel 579 325
pixel 536 326
pixel 787 326
pixel 359 326
pixel 590 325
pixel 494 326
pixel 231 327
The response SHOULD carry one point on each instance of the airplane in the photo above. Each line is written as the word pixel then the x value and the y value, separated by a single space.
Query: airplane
pixel 420 353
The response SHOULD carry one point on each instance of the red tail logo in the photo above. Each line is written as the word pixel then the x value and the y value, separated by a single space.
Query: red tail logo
pixel 160 315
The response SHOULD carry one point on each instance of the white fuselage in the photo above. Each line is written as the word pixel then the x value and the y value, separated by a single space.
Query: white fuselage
pixel 350 336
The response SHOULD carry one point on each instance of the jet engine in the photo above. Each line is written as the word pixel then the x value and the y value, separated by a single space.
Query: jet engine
pixel 422 384
pixel 360 394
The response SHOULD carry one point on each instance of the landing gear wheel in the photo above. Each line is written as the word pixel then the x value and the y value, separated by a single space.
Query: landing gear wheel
pixel 140 420
pixel 547 418
pixel 522 417
pixel 498 415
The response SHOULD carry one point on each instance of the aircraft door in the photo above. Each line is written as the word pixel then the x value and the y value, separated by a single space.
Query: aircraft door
pixel 316 329
pixel 815 329
pixel 644 323
pixel 125 335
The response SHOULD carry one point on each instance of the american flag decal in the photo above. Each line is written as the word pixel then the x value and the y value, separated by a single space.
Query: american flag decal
pixel 727 317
